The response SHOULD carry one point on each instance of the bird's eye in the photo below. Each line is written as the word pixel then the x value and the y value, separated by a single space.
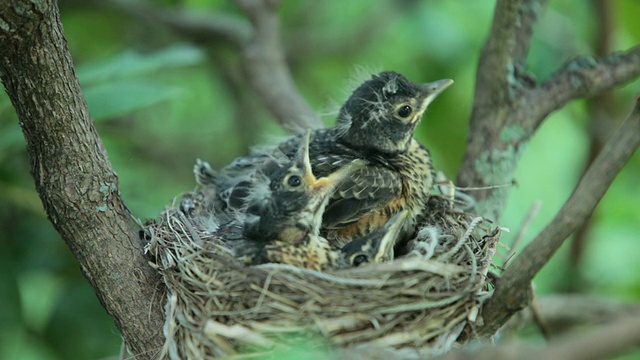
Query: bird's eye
pixel 294 181
pixel 405 111
pixel 360 259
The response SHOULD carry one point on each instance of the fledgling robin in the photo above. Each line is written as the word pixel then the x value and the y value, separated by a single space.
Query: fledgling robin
pixel 377 246
pixel 283 217
pixel 225 195
pixel 283 222
pixel 376 124
pixel 314 252
pixel 291 202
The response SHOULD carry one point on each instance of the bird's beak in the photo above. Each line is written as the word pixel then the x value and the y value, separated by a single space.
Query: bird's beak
pixel 324 185
pixel 303 160
pixel 329 183
pixel 392 230
pixel 431 90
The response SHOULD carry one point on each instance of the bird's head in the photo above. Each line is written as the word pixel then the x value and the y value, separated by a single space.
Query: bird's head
pixel 297 198
pixel 382 113
pixel 377 246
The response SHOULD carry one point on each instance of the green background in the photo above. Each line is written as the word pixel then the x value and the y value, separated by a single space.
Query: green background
pixel 159 103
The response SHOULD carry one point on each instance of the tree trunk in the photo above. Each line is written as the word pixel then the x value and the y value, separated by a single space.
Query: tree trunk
pixel 73 175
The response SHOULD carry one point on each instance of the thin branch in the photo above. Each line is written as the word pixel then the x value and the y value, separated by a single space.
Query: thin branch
pixel 540 320
pixel 512 291
pixel 604 342
pixel 263 56
pixel 267 71
pixel 582 77
pixel 562 312
pixel 600 109
pixel 604 12
pixel 73 176
pixel 202 29
pixel 533 211
pixel 244 105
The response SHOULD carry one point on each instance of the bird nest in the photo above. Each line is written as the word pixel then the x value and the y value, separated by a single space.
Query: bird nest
pixel 422 303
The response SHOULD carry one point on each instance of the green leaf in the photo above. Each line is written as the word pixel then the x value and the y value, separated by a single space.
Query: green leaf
pixel 130 64
pixel 117 98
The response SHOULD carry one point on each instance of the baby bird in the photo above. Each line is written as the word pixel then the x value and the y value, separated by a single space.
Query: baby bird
pixel 283 222
pixel 283 215
pixel 317 254
pixel 375 125
pixel 225 195
pixel 374 247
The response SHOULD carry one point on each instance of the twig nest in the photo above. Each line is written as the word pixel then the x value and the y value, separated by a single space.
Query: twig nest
pixel 421 303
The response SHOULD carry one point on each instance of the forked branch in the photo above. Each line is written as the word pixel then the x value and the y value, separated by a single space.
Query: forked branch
pixel 509 105
pixel 582 77
pixel 512 289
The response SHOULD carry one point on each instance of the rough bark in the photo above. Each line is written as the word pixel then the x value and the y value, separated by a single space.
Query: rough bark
pixel 513 289
pixel 73 176
pixel 509 105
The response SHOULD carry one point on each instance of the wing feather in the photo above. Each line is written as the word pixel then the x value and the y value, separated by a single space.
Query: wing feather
pixel 366 190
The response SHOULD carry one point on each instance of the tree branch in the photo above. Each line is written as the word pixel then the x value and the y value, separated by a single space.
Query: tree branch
pixel 267 71
pixel 490 159
pixel 234 81
pixel 201 29
pixel 582 77
pixel 604 342
pixel 496 60
pixel 508 105
pixel 599 109
pixel 512 289
pixel 263 56
pixel 73 176
pixel 504 54
pixel 563 312
pixel 528 14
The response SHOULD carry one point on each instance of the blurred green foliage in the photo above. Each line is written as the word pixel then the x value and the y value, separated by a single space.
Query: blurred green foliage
pixel 159 103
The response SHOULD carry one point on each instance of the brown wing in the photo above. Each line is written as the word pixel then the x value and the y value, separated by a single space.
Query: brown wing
pixel 366 190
